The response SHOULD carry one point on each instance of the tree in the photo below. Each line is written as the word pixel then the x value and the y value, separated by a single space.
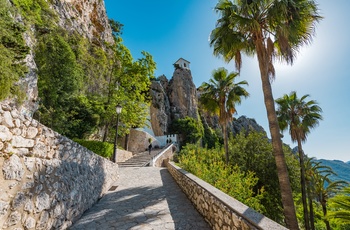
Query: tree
pixel 341 204
pixel 190 129
pixel 324 189
pixel 268 29
pixel 299 116
pixel 220 97
pixel 60 78
pixel 12 52
pixel 253 153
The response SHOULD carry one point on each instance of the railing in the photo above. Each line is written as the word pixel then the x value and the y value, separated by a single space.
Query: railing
pixel 166 153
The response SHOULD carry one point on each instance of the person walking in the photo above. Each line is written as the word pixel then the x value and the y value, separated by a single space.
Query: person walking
pixel 149 148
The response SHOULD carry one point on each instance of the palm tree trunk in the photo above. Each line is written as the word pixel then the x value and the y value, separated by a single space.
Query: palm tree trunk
pixel 303 185
pixel 282 171
pixel 224 130
pixel 311 208
pixel 324 209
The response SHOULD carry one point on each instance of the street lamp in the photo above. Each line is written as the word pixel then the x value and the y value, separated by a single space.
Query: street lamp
pixel 118 109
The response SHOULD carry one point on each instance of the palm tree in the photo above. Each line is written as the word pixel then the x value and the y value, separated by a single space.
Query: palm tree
pixel 312 171
pixel 324 189
pixel 269 29
pixel 341 204
pixel 299 116
pixel 220 97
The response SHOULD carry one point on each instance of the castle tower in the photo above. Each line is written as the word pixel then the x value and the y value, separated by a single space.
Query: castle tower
pixel 182 63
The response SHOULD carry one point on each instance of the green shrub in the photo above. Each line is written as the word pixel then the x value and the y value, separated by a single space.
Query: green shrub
pixel 103 149
pixel 209 165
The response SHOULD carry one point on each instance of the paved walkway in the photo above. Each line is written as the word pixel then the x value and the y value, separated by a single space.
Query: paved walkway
pixel 146 198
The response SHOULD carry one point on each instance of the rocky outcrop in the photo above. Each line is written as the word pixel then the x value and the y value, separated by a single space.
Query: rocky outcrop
pixel 246 124
pixel 177 98
pixel 182 95
pixel 160 106
pixel 172 100
pixel 88 18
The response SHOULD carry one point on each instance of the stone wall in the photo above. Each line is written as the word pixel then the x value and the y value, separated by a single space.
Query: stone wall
pixel 47 180
pixel 166 154
pixel 123 155
pixel 219 209
pixel 138 141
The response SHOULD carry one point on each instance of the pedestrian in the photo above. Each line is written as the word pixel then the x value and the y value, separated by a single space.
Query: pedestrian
pixel 149 148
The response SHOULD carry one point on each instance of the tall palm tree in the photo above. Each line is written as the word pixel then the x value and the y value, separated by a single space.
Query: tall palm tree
pixel 299 116
pixel 220 96
pixel 269 29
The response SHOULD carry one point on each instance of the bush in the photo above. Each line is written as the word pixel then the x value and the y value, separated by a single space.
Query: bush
pixel 209 165
pixel 103 149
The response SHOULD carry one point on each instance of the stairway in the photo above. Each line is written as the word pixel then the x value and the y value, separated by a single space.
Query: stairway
pixel 139 160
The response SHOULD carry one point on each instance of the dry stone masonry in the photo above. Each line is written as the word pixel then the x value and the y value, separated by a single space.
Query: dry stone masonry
pixel 219 209
pixel 46 181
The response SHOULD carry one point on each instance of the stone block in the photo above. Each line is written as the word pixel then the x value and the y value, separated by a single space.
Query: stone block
pixel 21 142
pixel 29 223
pixel 7 121
pixel 18 200
pixel 5 134
pixel 13 219
pixel 17 123
pixel 42 202
pixel 32 132
pixel 17 131
pixel 4 207
pixel 13 169
pixel 29 162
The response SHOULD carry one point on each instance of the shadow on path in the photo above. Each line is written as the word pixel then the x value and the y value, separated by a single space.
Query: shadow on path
pixel 146 198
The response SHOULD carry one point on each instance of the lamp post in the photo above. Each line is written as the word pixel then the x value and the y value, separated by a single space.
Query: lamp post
pixel 118 109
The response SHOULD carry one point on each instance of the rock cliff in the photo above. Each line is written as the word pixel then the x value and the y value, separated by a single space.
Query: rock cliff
pixel 88 18
pixel 177 98
pixel 172 100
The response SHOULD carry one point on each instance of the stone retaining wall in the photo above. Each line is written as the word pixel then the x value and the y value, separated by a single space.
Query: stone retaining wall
pixel 47 181
pixel 219 209
pixel 123 155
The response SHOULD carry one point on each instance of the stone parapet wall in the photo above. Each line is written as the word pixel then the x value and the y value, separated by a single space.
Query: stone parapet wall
pixel 219 209
pixel 47 180
pixel 166 154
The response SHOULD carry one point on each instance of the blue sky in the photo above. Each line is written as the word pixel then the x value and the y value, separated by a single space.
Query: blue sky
pixel 169 30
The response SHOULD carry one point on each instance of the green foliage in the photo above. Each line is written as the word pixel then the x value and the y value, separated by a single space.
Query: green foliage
pixel 36 11
pixel 190 129
pixel 117 27
pixel 103 149
pixel 209 165
pixel 253 153
pixel 220 96
pixel 60 78
pixel 12 52
pixel 128 85
pixel 340 207
pixel 211 138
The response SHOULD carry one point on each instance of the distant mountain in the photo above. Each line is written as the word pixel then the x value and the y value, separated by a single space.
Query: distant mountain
pixel 341 168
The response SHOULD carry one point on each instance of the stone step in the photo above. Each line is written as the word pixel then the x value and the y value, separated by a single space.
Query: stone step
pixel 139 160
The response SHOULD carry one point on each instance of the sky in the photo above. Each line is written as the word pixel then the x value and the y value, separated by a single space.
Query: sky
pixel 169 30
